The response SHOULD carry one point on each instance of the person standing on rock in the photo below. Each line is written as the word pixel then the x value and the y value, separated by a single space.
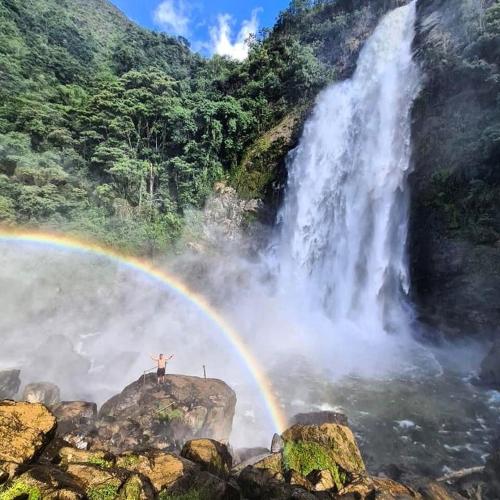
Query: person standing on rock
pixel 161 363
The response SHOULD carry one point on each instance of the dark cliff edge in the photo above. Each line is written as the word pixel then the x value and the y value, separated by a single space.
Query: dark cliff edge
pixel 454 241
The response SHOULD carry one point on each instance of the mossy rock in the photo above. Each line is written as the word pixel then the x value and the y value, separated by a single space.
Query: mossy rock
pixel 330 447
pixel 211 455
pixel 74 456
pixel 42 481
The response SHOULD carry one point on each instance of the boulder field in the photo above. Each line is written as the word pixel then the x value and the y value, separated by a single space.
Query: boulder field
pixel 171 442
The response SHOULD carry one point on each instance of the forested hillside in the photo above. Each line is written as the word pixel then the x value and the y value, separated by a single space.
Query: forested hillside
pixel 113 131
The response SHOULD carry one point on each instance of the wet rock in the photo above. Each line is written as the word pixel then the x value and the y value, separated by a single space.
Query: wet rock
pixel 71 415
pixel 489 374
pixel 145 415
pixel 9 383
pixel 365 487
pixel 25 429
pixel 331 446
pixel 211 455
pixel 432 490
pixel 263 483
pixel 295 478
pixel 42 392
pixel 321 480
pixel 277 444
pixel 44 481
pixel 320 417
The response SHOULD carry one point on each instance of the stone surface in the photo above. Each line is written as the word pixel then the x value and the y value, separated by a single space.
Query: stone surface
pixel 211 455
pixel 321 480
pixel 489 373
pixel 163 470
pixel 9 383
pixel 44 481
pixel 332 446
pixel 277 444
pixel 145 415
pixel 492 474
pixel 25 429
pixel 364 487
pixel 42 392
pixel 71 415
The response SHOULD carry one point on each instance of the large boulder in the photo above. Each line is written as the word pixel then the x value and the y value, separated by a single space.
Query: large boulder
pixel 145 415
pixel 75 421
pixel 42 392
pixel 489 374
pixel 329 447
pixel 43 481
pixel 25 429
pixel 9 383
pixel 366 488
pixel 209 454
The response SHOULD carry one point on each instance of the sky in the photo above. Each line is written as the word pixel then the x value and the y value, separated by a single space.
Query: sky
pixel 212 26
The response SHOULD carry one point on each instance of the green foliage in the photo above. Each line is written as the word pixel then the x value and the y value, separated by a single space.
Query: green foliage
pixel 193 494
pixel 107 491
pixel 20 489
pixel 114 132
pixel 167 416
pixel 100 462
pixel 304 457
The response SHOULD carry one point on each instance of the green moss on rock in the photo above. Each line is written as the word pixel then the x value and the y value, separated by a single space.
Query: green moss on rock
pixel 304 457
pixel 20 489
pixel 105 492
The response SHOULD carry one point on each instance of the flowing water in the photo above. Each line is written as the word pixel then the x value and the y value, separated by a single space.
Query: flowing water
pixel 344 221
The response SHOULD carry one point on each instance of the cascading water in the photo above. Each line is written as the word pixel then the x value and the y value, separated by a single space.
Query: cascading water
pixel 344 220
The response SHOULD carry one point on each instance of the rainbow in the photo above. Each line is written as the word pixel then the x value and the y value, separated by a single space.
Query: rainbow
pixel 173 284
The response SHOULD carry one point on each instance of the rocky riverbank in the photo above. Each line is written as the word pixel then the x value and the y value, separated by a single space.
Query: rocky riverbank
pixel 153 442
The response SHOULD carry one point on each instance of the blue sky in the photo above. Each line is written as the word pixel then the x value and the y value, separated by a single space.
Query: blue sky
pixel 212 26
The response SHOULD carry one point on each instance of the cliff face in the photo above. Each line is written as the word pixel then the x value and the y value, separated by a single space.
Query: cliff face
pixel 455 217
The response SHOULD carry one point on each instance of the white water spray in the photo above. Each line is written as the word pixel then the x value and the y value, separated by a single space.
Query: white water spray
pixel 344 221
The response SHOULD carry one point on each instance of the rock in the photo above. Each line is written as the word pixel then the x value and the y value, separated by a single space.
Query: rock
pixel 321 480
pixel 73 414
pixel 244 454
pixel 146 416
pixel 68 455
pixel 277 444
pixel 365 487
pixel 211 455
pixel 42 392
pixel 295 478
pixel 163 470
pixel 489 374
pixel 433 490
pixel 98 482
pixel 136 488
pixel 9 383
pixel 46 482
pixel 320 417
pixel 320 447
pixel 25 429
pixel 264 484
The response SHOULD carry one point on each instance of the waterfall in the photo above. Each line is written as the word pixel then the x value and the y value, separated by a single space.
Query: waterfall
pixel 344 219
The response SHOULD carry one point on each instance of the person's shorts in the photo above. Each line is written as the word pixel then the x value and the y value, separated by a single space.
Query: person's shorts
pixel 160 372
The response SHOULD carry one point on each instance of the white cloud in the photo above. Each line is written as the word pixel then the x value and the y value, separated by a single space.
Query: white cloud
pixel 173 15
pixel 221 36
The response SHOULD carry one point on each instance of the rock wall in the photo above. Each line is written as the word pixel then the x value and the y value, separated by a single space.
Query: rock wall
pixel 455 216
